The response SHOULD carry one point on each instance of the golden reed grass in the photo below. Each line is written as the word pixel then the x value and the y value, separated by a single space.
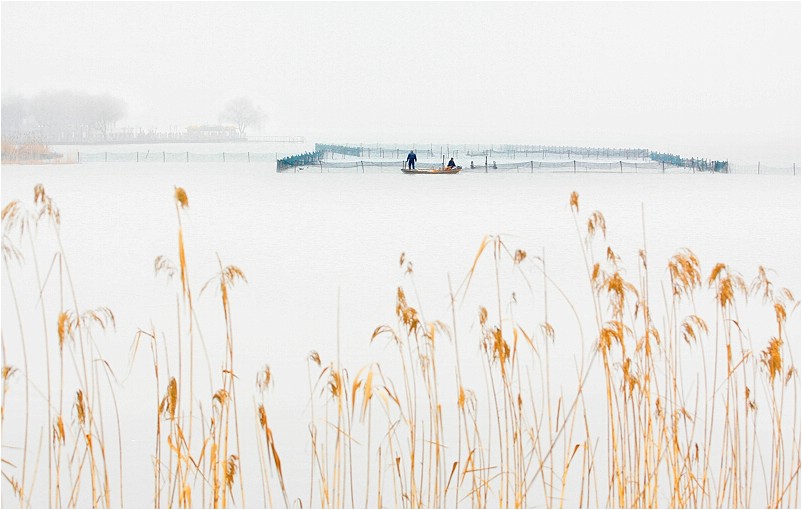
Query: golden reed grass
pixel 720 432
pixel 32 153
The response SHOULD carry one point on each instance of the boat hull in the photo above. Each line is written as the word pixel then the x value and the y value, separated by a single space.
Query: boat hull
pixel 435 171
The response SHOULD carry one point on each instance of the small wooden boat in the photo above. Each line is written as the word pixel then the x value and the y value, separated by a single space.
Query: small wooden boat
pixel 444 170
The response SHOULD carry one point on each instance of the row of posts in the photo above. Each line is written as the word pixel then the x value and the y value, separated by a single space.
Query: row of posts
pixel 532 163
pixel 531 166
pixel 164 157
pixel 758 168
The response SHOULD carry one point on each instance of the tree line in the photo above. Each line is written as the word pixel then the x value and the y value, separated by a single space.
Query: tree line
pixel 61 115
pixel 76 116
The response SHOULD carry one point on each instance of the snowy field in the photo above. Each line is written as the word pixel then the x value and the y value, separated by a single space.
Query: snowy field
pixel 320 252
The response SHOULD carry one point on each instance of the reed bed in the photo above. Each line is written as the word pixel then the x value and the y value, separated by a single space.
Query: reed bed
pixel 673 401
pixel 32 153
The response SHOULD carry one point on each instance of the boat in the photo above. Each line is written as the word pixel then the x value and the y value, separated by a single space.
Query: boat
pixel 444 170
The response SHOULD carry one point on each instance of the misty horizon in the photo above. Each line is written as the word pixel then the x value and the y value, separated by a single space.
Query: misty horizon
pixel 715 80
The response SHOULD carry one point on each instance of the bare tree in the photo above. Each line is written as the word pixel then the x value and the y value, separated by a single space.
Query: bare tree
pixel 242 113
pixel 104 111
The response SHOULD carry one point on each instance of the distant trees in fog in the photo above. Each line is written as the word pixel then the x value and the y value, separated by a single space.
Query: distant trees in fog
pixel 66 116
pixel 62 115
pixel 14 110
pixel 242 113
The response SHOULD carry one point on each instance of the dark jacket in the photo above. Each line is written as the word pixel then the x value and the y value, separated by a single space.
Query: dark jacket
pixel 451 163
pixel 412 157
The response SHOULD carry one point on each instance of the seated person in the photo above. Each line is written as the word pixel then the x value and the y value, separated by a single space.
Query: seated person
pixel 451 163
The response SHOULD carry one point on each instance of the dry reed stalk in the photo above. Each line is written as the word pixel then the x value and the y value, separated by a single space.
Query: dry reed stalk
pixel 227 277
pixel 19 487
pixel 40 288
pixel 181 202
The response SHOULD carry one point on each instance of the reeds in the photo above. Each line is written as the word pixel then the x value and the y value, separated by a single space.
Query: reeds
pixel 31 152
pixel 82 444
pixel 686 407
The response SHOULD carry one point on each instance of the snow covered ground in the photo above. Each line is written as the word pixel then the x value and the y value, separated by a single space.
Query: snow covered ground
pixel 321 255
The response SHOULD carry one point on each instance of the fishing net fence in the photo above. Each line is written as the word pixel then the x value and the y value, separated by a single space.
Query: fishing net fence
pixel 398 151
pixel 758 169
pixel 531 166
pixel 477 153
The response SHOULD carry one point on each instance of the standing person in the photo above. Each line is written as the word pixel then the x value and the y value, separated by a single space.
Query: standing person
pixel 411 158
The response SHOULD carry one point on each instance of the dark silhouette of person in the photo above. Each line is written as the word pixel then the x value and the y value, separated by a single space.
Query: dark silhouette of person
pixel 411 158
pixel 451 163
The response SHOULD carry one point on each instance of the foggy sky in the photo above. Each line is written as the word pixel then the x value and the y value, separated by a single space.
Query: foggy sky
pixel 718 80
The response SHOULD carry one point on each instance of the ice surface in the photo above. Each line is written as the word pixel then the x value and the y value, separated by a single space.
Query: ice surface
pixel 302 240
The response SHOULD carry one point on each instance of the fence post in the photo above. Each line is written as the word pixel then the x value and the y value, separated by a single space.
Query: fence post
pixel 249 156
pixel 622 166
pixel 164 156
pixel 187 156
pixel 664 167
pixel 758 167
pixel 574 166
pixel 532 164
pixel 363 166
pixel 105 157
pixel 137 156
pixel 224 157
pixel 79 156
pixel 321 166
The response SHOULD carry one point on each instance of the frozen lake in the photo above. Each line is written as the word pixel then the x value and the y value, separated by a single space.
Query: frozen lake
pixel 321 256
